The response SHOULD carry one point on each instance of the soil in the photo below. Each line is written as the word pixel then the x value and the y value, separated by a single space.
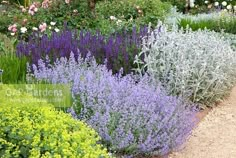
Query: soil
pixel 215 135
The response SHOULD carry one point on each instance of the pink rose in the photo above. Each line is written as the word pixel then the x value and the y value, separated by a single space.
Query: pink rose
pixel 42 27
pixel 45 4
pixel 10 27
pixel 13 28
pixel 33 9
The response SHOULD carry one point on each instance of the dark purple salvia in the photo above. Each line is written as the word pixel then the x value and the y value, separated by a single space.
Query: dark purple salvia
pixel 119 49
pixel 132 114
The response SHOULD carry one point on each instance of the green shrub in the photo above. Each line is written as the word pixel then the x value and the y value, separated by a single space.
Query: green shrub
pixel 4 20
pixel 31 131
pixel 140 11
pixel 180 4
pixel 77 15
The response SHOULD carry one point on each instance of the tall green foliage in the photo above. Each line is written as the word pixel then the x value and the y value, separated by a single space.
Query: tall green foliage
pixel 13 66
pixel 227 24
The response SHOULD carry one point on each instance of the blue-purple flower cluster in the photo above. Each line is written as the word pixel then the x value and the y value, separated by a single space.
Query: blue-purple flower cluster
pixel 132 114
pixel 119 49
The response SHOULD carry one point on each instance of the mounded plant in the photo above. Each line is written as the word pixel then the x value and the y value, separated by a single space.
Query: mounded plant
pixel 38 130
pixel 198 64
pixel 132 114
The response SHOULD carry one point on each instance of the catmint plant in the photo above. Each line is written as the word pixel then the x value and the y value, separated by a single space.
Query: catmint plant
pixel 132 114
pixel 200 65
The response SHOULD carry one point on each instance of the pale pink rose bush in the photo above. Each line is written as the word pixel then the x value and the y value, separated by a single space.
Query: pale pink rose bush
pixel 32 10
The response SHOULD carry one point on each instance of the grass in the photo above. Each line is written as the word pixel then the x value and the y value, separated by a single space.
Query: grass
pixel 13 66
pixel 227 24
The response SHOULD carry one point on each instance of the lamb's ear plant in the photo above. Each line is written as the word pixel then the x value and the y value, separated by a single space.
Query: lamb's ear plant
pixel 200 65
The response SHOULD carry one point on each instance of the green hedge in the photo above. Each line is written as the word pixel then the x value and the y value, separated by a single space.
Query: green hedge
pixel 38 130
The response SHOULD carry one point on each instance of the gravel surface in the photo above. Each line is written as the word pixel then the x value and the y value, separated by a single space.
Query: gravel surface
pixel 215 136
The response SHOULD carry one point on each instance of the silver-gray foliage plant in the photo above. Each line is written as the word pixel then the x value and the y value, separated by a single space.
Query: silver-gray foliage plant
pixel 200 64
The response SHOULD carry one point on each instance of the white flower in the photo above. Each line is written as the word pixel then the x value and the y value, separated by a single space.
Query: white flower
pixel 112 17
pixel 56 29
pixel 224 3
pixel 206 2
pixel 229 7
pixel 52 23
pixel 131 19
pixel 235 8
pixel 191 3
pixel 35 28
pixel 49 27
pixel 216 4
pixel 23 30
pixel 75 11
pixel 118 22
pixel 12 34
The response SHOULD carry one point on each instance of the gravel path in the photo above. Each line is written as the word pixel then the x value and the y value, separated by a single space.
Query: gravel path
pixel 215 136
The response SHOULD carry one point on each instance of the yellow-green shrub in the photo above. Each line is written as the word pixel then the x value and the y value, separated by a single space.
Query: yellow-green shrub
pixel 41 131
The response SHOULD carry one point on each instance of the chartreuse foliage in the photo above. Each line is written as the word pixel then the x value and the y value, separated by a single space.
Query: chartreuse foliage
pixel 38 130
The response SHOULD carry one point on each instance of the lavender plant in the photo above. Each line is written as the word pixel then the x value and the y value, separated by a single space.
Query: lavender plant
pixel 199 64
pixel 118 49
pixel 131 114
